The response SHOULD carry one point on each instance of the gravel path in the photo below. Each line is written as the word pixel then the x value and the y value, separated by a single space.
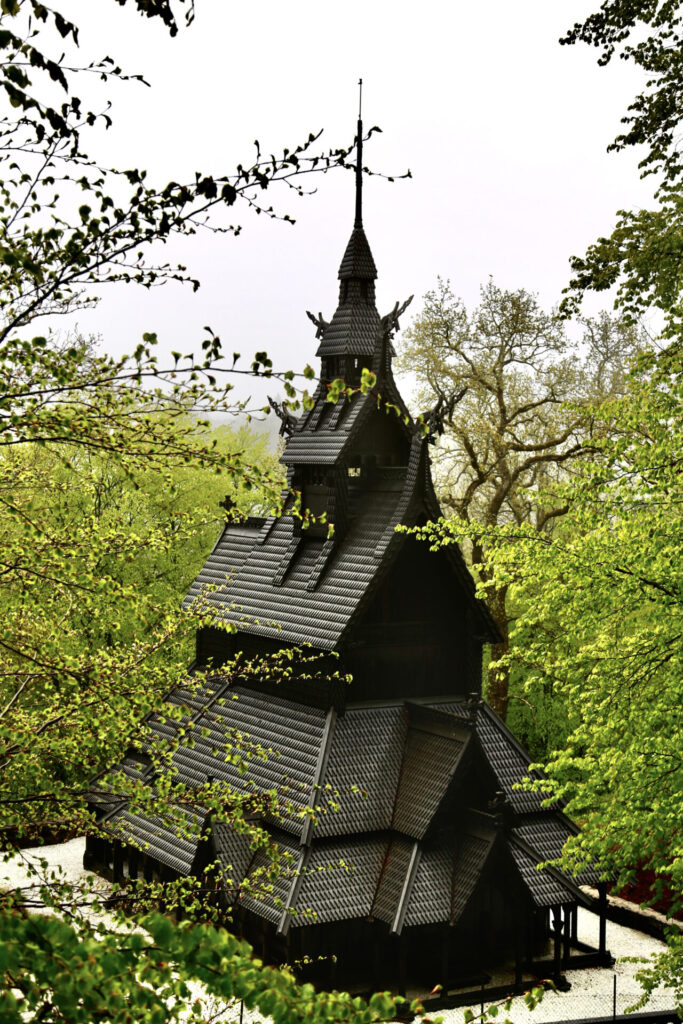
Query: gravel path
pixel 591 990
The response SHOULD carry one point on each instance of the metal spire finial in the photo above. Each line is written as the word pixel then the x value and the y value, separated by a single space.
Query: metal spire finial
pixel 359 159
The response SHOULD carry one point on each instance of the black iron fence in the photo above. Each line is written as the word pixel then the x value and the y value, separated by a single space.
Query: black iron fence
pixel 595 1000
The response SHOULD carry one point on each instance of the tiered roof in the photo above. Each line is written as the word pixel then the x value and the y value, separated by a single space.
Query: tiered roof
pixel 384 782
pixel 397 790
pixel 272 578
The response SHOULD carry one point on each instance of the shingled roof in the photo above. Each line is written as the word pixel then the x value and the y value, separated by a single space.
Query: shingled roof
pixel 399 808
pixel 355 326
pixel 274 579
pixel 264 579
pixel 434 752
pixel 250 598
pixel 357 262
pixel 547 835
pixel 378 777
pixel 505 755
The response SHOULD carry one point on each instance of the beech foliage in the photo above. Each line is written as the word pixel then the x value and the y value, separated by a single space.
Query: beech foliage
pixel 641 256
pixel 600 624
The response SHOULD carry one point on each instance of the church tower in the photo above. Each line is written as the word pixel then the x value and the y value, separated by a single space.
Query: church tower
pixel 405 621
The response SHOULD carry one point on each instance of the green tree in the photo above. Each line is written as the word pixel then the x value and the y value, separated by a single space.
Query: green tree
pixel 69 225
pixel 605 628
pixel 642 257
pixel 96 556
pixel 601 624
pixel 87 646
pixel 518 406
pixel 57 973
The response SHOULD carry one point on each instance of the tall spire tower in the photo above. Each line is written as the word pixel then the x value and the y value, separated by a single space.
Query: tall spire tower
pixel 350 341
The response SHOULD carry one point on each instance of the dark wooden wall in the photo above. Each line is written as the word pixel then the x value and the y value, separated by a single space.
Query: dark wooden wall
pixel 415 638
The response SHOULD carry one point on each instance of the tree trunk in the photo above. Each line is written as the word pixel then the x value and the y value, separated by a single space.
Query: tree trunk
pixel 498 676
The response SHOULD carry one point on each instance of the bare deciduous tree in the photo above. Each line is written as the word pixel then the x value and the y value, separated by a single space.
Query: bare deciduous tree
pixel 524 418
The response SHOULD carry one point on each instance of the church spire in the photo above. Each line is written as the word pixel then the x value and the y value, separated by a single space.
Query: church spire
pixel 359 159
pixel 354 330
pixel 357 263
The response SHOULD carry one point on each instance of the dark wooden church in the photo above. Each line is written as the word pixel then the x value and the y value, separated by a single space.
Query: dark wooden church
pixel 412 774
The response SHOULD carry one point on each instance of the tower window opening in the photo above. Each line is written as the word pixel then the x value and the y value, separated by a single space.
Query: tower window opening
pixel 334 367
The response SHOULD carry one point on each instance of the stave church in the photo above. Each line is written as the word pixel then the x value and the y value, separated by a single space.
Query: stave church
pixel 410 856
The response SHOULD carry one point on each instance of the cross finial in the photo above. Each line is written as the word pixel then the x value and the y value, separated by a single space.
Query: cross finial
pixel 359 159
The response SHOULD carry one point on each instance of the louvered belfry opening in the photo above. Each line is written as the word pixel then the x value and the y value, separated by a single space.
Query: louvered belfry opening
pixel 407 850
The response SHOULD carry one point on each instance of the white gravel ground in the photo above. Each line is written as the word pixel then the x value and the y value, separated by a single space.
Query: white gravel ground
pixel 591 989
pixel 591 993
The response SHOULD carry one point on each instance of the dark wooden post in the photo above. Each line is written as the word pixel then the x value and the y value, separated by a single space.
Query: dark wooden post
pixel 566 913
pixel 557 936
pixel 333 961
pixel 377 962
pixel 90 859
pixel 575 923
pixel 133 860
pixel 518 959
pixel 402 963
pixel 117 866
pixel 445 956
pixel 602 907
pixel 529 935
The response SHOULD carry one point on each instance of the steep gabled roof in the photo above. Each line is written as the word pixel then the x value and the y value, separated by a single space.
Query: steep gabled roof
pixel 172 840
pixel 363 771
pixel 546 835
pixel 434 753
pixel 233 852
pixel 384 780
pixel 275 579
pixel 357 262
pixel 504 753
pixel 548 887
pixel 251 598
pixel 325 434
pixel 253 593
pixel 340 880
pixel 354 328
pixel 273 892
pixel 429 884
pixel 323 438
pixel 395 882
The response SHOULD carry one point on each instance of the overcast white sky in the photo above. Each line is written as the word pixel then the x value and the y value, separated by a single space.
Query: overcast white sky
pixel 504 131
